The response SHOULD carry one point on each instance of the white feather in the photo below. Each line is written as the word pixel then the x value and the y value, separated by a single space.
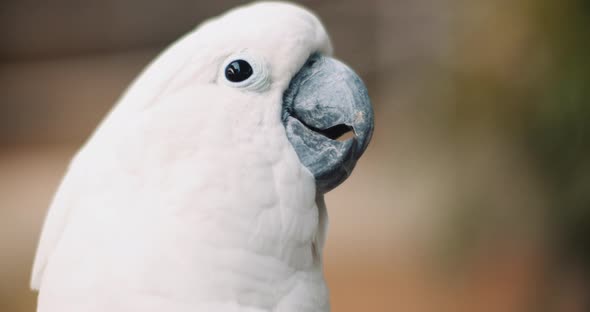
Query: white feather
pixel 189 197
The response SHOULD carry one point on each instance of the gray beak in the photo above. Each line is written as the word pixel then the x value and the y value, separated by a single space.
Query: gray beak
pixel 324 101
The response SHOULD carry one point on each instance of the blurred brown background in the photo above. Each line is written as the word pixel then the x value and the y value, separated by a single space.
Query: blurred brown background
pixel 473 196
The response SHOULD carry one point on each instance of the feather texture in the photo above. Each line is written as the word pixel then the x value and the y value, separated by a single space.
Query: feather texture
pixel 189 197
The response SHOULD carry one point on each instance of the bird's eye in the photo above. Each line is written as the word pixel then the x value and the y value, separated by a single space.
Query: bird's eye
pixel 245 70
pixel 238 71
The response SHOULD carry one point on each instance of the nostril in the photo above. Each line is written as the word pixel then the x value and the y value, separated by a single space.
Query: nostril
pixel 339 132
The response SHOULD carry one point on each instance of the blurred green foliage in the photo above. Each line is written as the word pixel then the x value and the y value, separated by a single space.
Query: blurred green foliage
pixel 521 85
pixel 558 134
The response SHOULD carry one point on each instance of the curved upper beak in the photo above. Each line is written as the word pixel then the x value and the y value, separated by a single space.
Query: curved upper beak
pixel 324 101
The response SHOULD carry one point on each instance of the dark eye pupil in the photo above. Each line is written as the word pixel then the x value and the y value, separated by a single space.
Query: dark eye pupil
pixel 238 70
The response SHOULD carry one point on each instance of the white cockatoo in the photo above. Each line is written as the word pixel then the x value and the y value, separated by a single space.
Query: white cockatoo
pixel 202 190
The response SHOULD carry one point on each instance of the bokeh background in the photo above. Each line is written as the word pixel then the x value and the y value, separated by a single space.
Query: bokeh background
pixel 473 196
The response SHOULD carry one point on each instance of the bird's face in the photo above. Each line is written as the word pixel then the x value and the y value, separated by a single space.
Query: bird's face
pixel 273 61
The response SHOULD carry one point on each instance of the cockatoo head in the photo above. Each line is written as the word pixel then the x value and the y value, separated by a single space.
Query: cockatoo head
pixel 259 66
